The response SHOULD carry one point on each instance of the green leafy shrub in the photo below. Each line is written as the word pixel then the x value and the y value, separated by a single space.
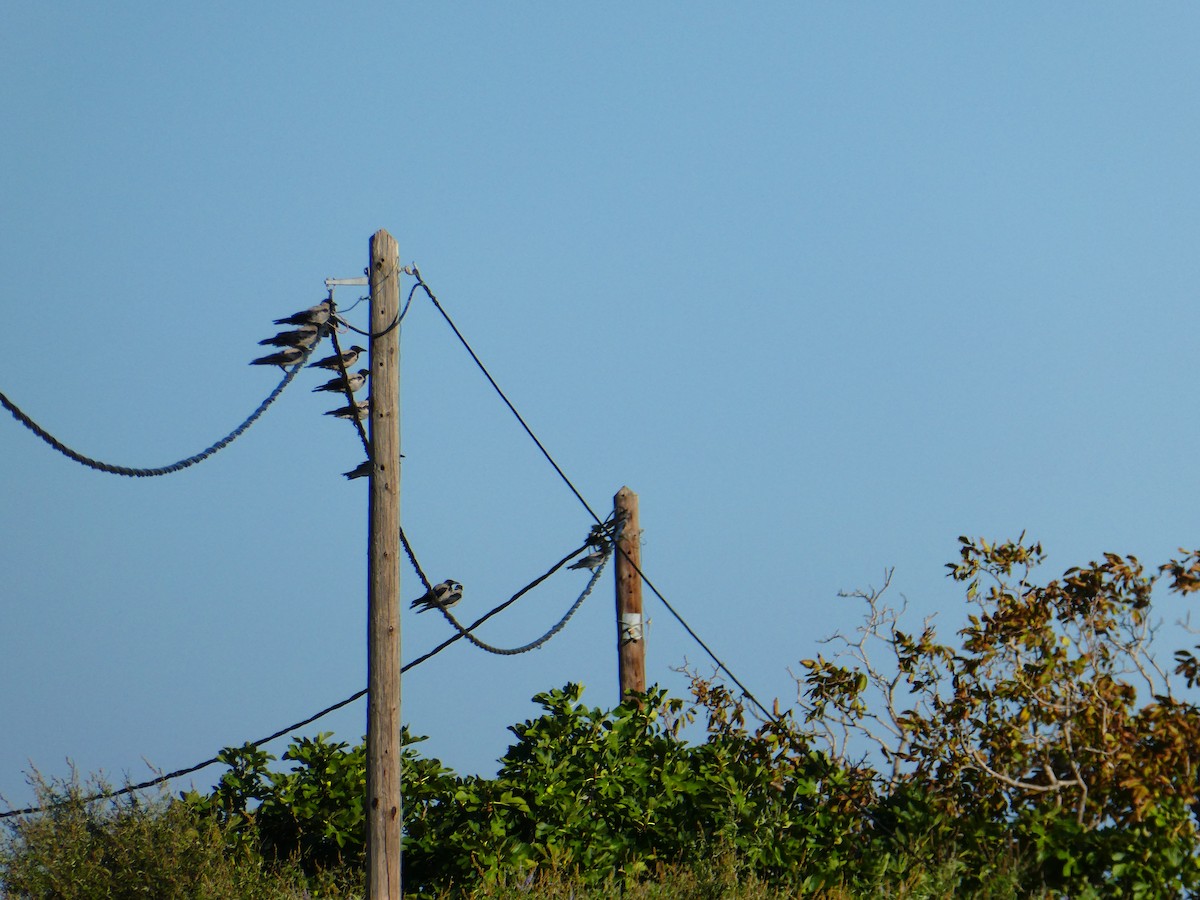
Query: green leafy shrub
pixel 600 794
pixel 1049 727
pixel 131 846
pixel 618 792
pixel 312 812
pixel 1044 752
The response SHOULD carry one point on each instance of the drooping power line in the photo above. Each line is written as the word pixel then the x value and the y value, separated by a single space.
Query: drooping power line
pixel 133 472
pixel 416 273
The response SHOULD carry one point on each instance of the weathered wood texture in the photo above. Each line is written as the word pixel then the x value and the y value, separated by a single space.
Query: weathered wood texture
pixel 631 644
pixel 383 580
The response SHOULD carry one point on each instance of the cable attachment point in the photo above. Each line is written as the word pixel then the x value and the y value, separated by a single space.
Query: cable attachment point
pixel 600 538
pixel 631 628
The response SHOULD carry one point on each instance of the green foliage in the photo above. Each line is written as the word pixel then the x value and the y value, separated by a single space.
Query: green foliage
pixel 128 847
pixel 597 794
pixel 1050 726
pixel 587 798
pixel 618 792
pixel 312 812
pixel 1041 752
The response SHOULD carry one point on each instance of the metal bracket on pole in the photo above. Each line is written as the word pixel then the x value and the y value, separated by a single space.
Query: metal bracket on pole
pixel 339 282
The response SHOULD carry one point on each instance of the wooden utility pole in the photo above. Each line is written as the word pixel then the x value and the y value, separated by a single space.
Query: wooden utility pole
pixel 383 578
pixel 631 646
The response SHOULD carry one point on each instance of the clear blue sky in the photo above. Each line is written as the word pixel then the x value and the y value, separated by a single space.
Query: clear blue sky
pixel 826 284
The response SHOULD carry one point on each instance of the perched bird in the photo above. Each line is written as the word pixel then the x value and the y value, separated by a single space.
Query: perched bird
pixel 362 470
pixel 338 385
pixel 314 315
pixel 288 356
pixel 358 411
pixel 349 358
pixel 591 561
pixel 598 537
pixel 304 336
pixel 442 596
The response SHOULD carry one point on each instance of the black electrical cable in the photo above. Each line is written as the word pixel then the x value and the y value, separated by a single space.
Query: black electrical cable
pixel 182 464
pixel 128 789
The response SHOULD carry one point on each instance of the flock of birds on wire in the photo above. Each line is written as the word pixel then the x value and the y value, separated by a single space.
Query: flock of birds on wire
pixel 308 327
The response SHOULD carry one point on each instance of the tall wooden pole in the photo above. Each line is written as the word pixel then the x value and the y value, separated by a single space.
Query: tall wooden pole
pixel 631 646
pixel 383 578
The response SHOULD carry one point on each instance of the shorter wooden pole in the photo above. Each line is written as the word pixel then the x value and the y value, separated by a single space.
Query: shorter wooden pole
pixel 631 644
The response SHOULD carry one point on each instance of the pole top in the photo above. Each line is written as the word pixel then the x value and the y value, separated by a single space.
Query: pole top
pixel 382 242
